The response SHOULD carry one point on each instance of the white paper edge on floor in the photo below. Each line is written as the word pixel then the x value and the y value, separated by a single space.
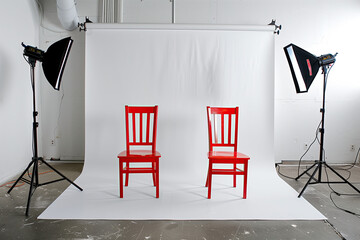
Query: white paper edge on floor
pixel 269 198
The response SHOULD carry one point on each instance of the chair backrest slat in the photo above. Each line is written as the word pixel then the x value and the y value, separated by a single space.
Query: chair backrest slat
pixel 141 127
pixel 148 129
pixel 222 129
pixel 225 120
pixel 215 128
pixel 139 124
pixel 133 126
pixel 229 129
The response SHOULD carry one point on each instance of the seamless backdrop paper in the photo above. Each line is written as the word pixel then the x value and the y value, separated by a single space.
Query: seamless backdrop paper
pixel 182 70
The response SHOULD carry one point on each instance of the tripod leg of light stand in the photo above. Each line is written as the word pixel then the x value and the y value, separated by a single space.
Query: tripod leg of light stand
pixel 32 184
pixel 305 171
pixel 345 181
pixel 21 176
pixel 308 182
pixel 65 178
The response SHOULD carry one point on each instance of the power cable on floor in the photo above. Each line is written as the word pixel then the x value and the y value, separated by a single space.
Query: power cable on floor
pixel 341 194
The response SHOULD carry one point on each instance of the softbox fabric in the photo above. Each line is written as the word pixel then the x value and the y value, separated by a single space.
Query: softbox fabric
pixel 54 61
pixel 307 63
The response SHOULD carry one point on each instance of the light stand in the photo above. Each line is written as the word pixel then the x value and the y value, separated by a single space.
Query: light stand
pixel 319 164
pixel 304 67
pixel 34 55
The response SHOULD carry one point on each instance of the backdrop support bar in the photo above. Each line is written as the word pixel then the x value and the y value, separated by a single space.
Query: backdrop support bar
pixel 173 11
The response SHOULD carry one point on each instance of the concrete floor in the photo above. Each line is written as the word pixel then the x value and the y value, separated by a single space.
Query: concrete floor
pixel 15 225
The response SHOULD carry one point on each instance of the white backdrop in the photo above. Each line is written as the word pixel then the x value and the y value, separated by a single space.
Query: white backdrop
pixel 182 70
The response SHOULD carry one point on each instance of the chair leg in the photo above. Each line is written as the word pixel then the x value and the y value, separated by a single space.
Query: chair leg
pixel 154 172
pixel 209 180
pixel 234 175
pixel 127 174
pixel 245 179
pixel 157 178
pixel 121 177
pixel 207 177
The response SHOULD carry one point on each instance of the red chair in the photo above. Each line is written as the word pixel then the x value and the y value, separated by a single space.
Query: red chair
pixel 141 124
pixel 223 128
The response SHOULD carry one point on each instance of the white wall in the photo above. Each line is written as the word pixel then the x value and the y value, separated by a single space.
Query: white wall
pixel 324 26
pixel 297 115
pixel 19 22
pixel 63 112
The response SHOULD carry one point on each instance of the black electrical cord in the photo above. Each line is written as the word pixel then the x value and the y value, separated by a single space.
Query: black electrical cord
pixel 343 209
pixel 302 156
pixel 340 194
pixel 351 165
pixel 316 138
pixel 278 170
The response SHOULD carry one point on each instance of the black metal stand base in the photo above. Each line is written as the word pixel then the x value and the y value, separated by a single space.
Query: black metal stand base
pixel 318 166
pixel 34 182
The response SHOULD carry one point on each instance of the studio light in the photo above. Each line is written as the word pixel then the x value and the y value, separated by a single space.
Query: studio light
pixel 304 66
pixel 53 62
